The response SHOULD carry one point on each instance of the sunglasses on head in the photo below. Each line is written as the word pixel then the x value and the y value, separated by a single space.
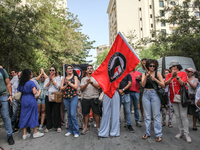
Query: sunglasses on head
pixel 152 66
pixel 51 70
pixel 89 68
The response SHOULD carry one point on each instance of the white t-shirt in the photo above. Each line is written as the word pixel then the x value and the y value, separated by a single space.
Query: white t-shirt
pixel 90 91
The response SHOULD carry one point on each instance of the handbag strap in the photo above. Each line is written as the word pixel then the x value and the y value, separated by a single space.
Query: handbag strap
pixel 21 94
pixel 152 83
pixel 173 88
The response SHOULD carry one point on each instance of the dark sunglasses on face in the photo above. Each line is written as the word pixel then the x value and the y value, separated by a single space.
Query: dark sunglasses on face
pixel 189 71
pixel 166 72
pixel 152 66
pixel 42 77
pixel 51 70
pixel 89 68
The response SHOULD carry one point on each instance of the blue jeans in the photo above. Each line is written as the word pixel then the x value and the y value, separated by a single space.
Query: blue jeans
pixel 5 115
pixel 125 100
pixel 71 106
pixel 135 100
pixel 151 103
pixel 14 106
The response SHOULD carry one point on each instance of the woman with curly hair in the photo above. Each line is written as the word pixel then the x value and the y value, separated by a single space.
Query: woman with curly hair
pixel 151 100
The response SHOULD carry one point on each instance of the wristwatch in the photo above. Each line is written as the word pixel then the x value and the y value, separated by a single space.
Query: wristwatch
pixel 122 89
pixel 91 83
pixel 177 78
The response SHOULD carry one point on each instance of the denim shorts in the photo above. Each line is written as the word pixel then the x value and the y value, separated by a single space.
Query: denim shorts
pixel 41 100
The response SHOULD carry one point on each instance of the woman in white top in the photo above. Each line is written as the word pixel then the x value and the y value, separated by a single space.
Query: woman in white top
pixel 52 84
pixel 192 83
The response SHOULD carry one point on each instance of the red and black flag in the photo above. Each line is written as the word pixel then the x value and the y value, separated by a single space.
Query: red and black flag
pixel 120 61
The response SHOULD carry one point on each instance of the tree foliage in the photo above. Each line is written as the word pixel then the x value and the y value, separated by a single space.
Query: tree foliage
pixel 184 40
pixel 40 35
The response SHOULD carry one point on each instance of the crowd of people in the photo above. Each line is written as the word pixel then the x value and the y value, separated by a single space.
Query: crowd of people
pixel 37 109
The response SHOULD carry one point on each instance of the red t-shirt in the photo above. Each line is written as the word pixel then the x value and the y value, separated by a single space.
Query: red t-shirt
pixel 177 86
pixel 135 86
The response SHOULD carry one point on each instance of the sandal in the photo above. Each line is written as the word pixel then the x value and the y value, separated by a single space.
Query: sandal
pixel 163 124
pixel 59 130
pixel 158 139
pixel 170 125
pixel 145 136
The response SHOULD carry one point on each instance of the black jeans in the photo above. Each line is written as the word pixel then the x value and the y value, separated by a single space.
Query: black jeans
pixel 53 117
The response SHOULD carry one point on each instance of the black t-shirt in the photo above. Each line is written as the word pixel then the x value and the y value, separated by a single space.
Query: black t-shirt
pixel 124 83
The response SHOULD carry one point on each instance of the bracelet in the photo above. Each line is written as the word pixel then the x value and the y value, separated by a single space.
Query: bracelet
pixel 10 95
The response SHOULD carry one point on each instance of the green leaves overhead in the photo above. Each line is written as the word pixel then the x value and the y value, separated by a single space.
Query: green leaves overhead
pixel 40 35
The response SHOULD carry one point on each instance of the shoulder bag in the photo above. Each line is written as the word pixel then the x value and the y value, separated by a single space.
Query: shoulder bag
pixel 17 96
pixel 177 98
pixel 161 93
pixel 185 101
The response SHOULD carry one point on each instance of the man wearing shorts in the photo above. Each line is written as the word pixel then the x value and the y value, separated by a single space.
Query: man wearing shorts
pixel 89 87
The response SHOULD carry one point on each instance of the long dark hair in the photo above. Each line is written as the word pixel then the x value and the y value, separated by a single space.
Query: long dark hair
pixel 25 76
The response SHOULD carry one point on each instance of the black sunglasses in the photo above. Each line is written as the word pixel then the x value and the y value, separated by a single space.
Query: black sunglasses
pixel 42 77
pixel 89 68
pixel 152 66
pixel 51 70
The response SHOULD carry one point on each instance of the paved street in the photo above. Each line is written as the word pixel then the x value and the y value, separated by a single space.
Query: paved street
pixel 126 141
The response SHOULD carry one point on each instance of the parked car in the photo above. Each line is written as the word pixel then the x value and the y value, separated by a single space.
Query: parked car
pixel 185 62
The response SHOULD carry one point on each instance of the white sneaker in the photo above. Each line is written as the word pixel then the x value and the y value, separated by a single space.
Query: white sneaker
pixel 178 136
pixel 132 111
pixel 76 135
pixel 95 125
pixel 38 134
pixel 40 127
pixel 26 136
pixel 188 139
pixel 68 134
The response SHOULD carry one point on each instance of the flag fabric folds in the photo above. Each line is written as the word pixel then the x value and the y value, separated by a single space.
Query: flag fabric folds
pixel 120 61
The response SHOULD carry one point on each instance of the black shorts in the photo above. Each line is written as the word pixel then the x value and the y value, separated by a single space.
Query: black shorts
pixel 89 103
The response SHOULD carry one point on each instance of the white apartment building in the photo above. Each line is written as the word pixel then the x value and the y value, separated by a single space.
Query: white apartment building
pixel 139 16
pixel 102 48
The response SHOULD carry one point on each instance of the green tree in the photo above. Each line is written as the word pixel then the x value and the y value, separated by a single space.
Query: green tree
pixel 100 58
pixel 184 40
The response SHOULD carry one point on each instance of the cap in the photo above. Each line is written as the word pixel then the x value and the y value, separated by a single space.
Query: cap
pixel 173 63
pixel 190 69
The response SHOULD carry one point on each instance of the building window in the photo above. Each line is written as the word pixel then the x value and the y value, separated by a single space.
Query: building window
pixel 151 25
pixel 150 6
pixel 161 3
pixel 140 19
pixel 151 16
pixel 185 5
pixel 197 14
pixel 140 9
pixel 152 35
pixel 172 3
pixel 141 29
pixel 162 13
pixel 163 30
pixel 162 23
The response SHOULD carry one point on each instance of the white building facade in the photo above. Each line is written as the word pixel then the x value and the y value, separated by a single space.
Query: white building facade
pixel 139 16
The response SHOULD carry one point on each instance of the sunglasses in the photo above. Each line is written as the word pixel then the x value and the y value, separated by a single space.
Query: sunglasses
pixel 152 66
pixel 89 68
pixel 69 68
pixel 42 77
pixel 166 72
pixel 51 70
pixel 189 71
pixel 172 66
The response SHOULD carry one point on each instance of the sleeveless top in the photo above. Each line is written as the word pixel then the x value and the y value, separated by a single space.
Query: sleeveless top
pixel 69 91
pixel 148 82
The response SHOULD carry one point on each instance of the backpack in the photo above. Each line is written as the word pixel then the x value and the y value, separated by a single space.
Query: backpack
pixel 3 73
